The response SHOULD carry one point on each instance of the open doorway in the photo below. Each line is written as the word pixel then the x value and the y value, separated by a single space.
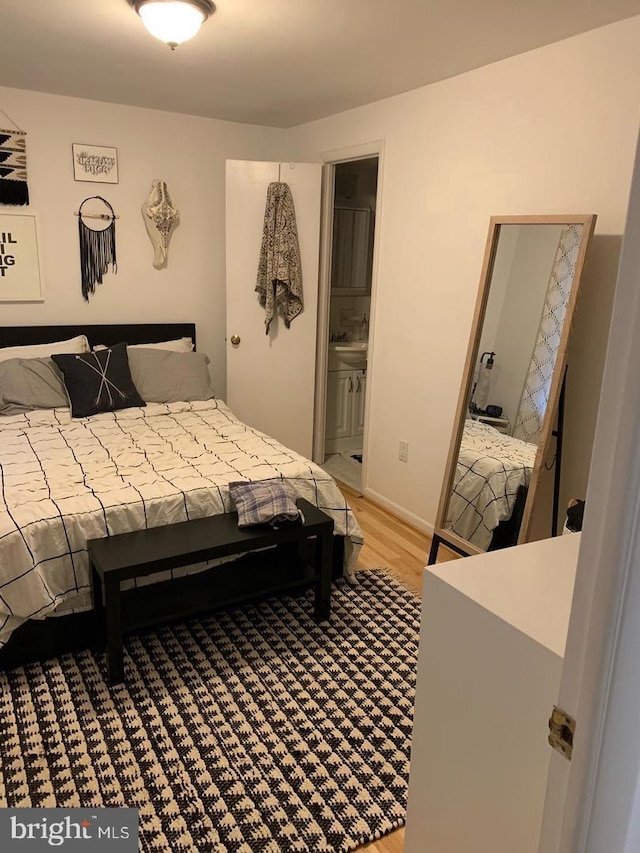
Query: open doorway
pixel 352 235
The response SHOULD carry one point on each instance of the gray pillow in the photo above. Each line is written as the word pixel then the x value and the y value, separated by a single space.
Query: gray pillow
pixel 164 376
pixel 27 384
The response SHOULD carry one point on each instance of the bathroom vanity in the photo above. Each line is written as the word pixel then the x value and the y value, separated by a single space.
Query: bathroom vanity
pixel 346 386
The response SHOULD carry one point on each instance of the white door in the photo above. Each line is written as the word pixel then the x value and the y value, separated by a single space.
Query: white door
pixel 592 802
pixel 271 378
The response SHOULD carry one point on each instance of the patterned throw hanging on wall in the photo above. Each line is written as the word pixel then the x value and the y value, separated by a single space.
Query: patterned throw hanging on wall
pixel 13 165
pixel 97 247
pixel 535 396
pixel 279 283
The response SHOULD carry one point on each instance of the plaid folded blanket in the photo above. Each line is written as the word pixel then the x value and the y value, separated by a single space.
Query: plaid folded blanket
pixel 264 502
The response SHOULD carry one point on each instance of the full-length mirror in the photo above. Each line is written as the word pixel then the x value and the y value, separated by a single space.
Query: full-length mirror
pixel 512 383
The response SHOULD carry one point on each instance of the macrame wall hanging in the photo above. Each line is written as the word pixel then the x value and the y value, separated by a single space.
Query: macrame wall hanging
pixel 97 246
pixel 13 165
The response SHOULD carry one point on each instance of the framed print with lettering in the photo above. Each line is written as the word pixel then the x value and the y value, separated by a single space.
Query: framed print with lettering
pixel 95 163
pixel 19 263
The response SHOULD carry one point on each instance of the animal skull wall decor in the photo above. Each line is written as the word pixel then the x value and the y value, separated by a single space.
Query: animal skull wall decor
pixel 160 217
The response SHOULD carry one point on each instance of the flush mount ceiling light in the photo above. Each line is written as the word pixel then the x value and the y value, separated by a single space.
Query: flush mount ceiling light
pixel 173 21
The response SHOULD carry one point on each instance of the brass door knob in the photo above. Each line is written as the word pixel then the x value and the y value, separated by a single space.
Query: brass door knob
pixel 235 340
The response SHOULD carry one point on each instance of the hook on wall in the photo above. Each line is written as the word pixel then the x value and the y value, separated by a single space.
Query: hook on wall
pixel 291 166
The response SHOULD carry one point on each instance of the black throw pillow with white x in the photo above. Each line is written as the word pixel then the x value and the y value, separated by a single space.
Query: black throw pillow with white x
pixel 98 381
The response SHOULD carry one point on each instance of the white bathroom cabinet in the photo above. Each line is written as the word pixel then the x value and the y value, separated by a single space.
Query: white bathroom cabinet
pixel 345 409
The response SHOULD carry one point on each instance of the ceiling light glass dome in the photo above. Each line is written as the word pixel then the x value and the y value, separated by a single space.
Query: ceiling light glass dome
pixel 173 21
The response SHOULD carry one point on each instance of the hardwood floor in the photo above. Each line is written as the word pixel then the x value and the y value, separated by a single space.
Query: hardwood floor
pixel 390 543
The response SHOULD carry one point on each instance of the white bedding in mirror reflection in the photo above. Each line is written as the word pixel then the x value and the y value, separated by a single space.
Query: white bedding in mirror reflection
pixel 490 471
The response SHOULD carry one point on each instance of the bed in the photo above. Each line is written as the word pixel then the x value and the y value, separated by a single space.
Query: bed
pixel 65 480
pixel 490 486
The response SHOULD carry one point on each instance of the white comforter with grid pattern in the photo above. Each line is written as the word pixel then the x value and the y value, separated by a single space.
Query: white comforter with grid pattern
pixel 65 481
pixel 490 469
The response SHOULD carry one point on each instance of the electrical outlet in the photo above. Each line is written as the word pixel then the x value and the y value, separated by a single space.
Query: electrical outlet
pixel 403 451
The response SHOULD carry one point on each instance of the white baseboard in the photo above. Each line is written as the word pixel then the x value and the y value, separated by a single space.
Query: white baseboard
pixel 401 512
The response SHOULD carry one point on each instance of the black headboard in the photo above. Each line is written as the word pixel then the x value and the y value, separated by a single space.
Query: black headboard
pixel 131 333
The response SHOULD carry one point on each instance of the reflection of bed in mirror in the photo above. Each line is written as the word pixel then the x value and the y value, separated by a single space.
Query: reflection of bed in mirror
pixel 513 379
pixel 492 476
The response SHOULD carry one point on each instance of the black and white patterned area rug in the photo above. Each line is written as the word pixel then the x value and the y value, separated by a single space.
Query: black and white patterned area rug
pixel 249 730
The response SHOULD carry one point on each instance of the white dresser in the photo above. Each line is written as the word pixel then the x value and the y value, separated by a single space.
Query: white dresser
pixel 492 642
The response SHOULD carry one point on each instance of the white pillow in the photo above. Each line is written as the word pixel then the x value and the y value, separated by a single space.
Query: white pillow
pixel 180 345
pixel 73 345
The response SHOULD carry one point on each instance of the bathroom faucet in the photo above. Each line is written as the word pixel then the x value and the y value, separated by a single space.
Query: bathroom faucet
pixel 364 328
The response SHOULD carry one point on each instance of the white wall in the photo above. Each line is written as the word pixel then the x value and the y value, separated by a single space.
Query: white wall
pixel 186 152
pixel 522 311
pixel 550 131
pixel 503 262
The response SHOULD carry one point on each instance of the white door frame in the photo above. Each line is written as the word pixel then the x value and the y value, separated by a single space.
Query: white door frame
pixel 601 677
pixel 330 159
pixel 324 291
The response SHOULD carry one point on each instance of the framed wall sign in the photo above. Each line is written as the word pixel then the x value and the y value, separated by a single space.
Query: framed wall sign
pixel 19 263
pixel 95 163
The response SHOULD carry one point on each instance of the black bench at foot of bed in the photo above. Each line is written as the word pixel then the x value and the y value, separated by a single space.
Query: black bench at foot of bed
pixel 293 565
pixel 115 559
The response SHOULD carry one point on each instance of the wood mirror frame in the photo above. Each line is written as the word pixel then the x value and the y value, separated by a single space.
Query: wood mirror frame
pixel 442 534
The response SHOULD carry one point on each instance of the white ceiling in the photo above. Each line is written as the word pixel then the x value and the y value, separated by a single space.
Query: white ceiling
pixel 277 62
